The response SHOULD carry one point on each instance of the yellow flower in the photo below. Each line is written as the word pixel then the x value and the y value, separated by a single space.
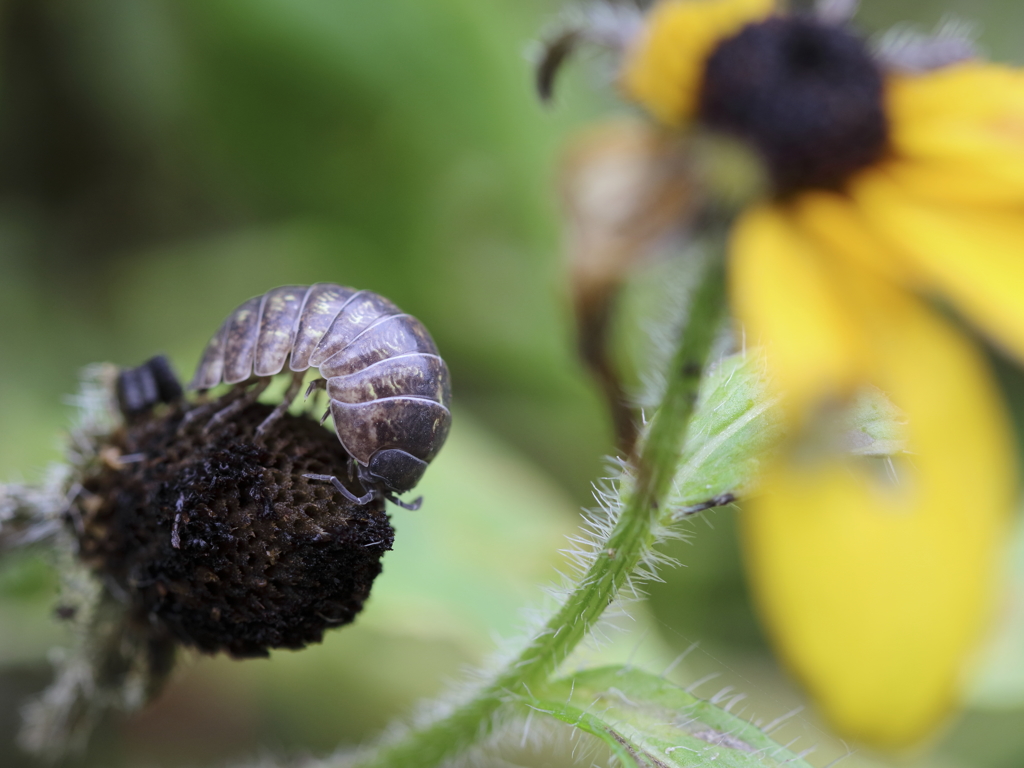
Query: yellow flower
pixel 891 190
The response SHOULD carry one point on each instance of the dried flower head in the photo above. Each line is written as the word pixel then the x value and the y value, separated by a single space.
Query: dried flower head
pixel 226 543
pixel 175 528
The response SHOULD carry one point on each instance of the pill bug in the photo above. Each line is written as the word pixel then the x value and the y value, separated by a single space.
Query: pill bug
pixel 388 388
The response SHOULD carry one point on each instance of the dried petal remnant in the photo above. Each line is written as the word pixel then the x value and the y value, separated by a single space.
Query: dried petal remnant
pixel 225 543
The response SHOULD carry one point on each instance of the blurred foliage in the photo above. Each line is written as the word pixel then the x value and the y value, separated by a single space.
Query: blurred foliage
pixel 644 719
pixel 161 161
pixel 164 161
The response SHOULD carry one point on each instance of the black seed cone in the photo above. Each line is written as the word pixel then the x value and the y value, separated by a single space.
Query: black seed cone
pixel 224 542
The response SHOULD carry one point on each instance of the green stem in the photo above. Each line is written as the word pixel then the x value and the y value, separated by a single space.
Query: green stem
pixel 630 539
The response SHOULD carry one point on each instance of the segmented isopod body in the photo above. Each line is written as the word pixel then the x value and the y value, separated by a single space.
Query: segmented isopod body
pixel 389 389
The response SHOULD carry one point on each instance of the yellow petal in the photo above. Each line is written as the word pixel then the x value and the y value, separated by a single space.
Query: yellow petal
pixel 975 257
pixel 960 182
pixel 960 132
pixel 664 68
pixel 995 148
pixel 787 298
pixel 834 221
pixel 958 159
pixel 877 592
pixel 969 91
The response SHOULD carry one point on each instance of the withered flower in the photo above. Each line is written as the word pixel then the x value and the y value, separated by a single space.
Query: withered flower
pixel 176 529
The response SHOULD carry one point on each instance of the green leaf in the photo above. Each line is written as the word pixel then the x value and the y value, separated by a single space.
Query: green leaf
pixel 647 721
pixel 739 422
pixel 874 426
pixel 736 423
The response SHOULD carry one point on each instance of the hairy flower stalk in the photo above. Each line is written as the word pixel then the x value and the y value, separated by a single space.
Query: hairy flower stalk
pixel 629 541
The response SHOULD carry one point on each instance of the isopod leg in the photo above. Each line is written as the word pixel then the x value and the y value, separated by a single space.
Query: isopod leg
pixel 315 384
pixel 412 505
pixel 248 397
pixel 364 499
pixel 289 396
pixel 205 405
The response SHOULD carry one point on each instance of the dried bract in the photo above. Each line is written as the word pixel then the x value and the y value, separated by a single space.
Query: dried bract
pixel 626 189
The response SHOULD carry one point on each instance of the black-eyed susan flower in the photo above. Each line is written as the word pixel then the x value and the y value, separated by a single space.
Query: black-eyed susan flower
pixel 895 183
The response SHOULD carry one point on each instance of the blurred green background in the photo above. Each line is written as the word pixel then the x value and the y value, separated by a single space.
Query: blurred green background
pixel 161 161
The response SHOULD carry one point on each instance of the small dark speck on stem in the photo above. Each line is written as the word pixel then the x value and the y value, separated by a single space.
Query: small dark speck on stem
pixel 692 370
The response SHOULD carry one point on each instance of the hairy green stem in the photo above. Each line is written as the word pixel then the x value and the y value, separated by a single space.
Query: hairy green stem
pixel 631 537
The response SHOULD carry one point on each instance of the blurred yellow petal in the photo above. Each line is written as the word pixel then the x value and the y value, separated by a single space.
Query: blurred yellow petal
pixel 664 69
pixel 834 221
pixel 960 182
pixel 877 591
pixel 958 133
pixel 786 297
pixel 974 257
pixel 991 150
pixel 963 92
pixel 956 160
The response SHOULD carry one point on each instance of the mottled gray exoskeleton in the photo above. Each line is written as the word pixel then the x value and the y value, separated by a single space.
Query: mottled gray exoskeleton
pixel 389 389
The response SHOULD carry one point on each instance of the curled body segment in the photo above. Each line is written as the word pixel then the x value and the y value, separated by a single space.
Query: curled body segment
pixel 389 389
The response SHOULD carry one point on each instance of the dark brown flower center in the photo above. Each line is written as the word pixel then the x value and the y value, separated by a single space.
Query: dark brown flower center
pixel 227 545
pixel 806 95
